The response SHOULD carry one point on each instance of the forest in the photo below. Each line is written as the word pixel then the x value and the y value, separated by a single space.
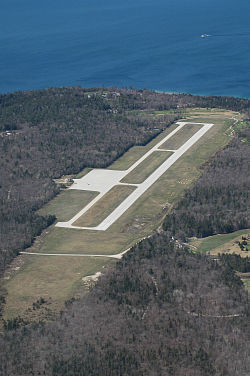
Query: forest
pixel 45 134
pixel 219 200
pixel 51 133
pixel 161 310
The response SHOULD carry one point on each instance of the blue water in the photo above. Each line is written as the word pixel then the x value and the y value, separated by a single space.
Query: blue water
pixel 153 44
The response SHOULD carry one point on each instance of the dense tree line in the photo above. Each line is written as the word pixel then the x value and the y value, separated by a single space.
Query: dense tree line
pixel 245 134
pixel 161 310
pixel 47 133
pixel 219 202
pixel 50 133
pixel 236 262
pixel 58 104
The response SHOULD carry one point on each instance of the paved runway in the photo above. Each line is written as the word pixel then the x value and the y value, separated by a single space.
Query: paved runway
pixel 130 200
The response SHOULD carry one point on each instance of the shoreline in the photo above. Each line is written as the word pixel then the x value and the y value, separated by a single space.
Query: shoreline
pixel 136 88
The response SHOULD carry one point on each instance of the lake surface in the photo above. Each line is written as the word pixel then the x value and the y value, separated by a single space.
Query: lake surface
pixel 153 44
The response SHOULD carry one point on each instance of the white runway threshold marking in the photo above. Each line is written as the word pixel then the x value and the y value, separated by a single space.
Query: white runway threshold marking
pixel 102 180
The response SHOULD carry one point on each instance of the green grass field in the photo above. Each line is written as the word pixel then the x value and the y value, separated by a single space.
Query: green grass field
pixel 138 221
pixel 183 135
pixel 212 242
pixel 53 278
pixel 68 203
pixel 99 211
pixel 224 243
pixel 63 240
pixel 146 168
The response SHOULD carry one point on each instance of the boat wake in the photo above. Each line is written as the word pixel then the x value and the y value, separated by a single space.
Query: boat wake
pixel 225 35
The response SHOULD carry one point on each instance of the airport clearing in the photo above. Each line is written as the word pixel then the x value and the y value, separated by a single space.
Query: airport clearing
pixel 101 180
pixel 107 211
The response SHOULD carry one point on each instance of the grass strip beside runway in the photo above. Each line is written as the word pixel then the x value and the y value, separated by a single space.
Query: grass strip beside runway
pixel 184 134
pixel 145 169
pixel 68 203
pixel 99 211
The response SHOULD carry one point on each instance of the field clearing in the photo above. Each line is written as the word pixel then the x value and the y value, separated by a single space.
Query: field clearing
pixel 227 244
pixel 54 278
pixel 221 243
pixel 68 203
pixel 104 206
pixel 138 221
pixel 144 169
pixel 148 211
pixel 67 240
pixel 207 111
pixel 176 141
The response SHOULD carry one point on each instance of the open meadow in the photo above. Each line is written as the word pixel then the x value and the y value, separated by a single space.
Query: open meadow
pixel 237 243
pixel 221 243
